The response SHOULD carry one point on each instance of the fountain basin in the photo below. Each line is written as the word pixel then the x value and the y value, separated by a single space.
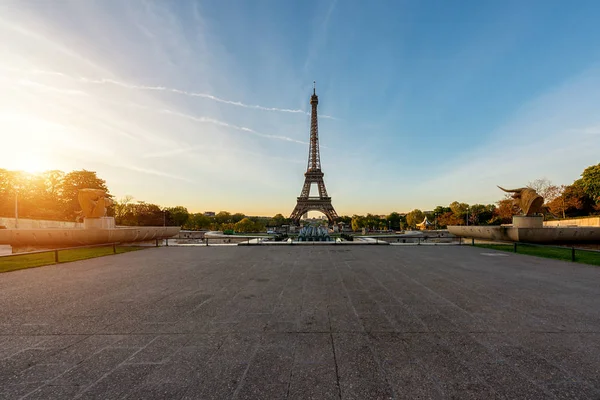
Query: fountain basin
pixel 69 237
pixel 546 235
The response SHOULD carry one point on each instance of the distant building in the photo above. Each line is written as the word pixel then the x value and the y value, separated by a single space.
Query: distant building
pixel 209 213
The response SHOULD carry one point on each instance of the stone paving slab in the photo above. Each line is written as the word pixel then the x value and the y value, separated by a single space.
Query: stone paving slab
pixel 310 322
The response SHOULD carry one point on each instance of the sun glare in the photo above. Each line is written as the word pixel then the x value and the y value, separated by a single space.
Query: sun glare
pixel 27 144
pixel 30 162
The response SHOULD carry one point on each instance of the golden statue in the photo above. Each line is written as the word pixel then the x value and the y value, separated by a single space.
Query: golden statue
pixel 526 199
pixel 93 202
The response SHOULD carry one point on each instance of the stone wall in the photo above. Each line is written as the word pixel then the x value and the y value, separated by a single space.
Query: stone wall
pixel 5 249
pixel 191 234
pixel 24 223
pixel 590 221
pixel 546 235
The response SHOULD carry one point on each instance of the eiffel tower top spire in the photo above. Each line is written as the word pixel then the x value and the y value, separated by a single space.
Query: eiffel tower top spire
pixel 314 159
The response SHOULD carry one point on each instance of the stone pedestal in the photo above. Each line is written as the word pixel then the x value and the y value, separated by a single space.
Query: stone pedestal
pixel 523 221
pixel 99 223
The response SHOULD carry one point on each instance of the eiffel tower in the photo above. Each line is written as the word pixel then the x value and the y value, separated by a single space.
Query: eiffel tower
pixel 313 174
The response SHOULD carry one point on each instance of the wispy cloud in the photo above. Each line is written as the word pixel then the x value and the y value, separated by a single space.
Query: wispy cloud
pixel 47 88
pixel 151 171
pixel 592 130
pixel 172 152
pixel 200 119
pixel 197 94
pixel 231 126
pixel 187 93
pixel 110 81
pixel 189 149
pixel 52 44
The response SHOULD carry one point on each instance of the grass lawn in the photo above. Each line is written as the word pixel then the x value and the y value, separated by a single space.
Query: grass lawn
pixel 581 256
pixel 15 262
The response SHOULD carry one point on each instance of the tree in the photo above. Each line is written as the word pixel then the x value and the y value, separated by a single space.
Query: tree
pixel 122 208
pixel 480 214
pixel 439 210
pixel 504 212
pixel 147 214
pixel 373 222
pixel 223 217
pixel 573 202
pixel 402 222
pixel 277 220
pixel 31 193
pixel 357 223
pixel 245 225
pixel 414 217
pixel 345 219
pixel 70 185
pixel 177 216
pixel 227 227
pixel 448 218
pixel 198 222
pixel 48 199
pixel 459 209
pixel 259 223
pixel 237 217
pixel 46 195
pixel 28 193
pixel 393 220
pixel 590 182
pixel 552 192
pixel 545 188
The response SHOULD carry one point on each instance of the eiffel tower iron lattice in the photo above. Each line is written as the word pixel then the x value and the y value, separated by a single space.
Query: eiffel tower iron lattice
pixel 314 175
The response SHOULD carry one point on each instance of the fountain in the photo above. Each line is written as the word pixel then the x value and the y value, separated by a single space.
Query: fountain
pixel 314 234
pixel 97 229
pixel 529 226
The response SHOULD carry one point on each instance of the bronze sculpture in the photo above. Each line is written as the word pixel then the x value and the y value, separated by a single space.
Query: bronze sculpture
pixel 527 199
pixel 93 202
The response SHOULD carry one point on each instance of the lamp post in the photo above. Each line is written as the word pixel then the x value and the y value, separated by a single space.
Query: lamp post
pixel 16 207
pixel 467 215
pixel 435 220
pixel 164 217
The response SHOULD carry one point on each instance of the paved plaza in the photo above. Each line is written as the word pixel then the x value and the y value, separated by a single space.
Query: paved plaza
pixel 302 322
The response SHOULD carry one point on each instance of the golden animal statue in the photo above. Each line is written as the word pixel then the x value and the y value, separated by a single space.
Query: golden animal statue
pixel 526 199
pixel 93 202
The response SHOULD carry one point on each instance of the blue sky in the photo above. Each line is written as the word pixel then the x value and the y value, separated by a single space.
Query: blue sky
pixel 204 104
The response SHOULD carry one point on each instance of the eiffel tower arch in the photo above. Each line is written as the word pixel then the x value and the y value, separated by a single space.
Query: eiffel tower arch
pixel 313 174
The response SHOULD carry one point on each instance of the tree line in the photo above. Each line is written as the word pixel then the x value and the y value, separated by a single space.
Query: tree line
pixel 579 199
pixel 53 195
pixel 49 195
